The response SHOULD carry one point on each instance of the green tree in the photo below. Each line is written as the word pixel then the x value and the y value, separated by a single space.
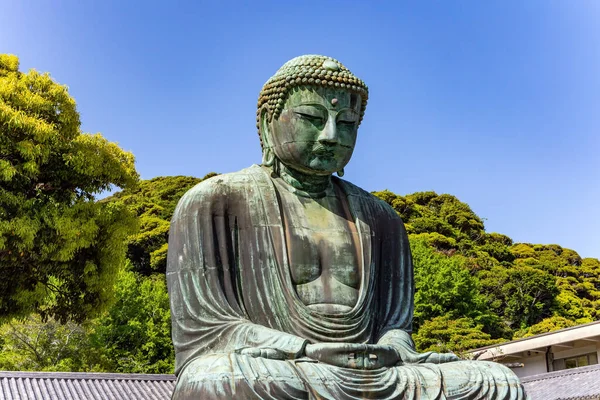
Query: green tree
pixel 546 325
pixel 444 287
pixel 523 295
pixel 59 249
pixel 134 336
pixel 522 283
pixel 428 212
pixel 443 334
pixel 154 201
pixel 32 345
pixel 450 226
pixel 577 279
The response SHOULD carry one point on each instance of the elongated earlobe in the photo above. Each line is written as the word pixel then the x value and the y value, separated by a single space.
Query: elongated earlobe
pixel 340 173
pixel 268 157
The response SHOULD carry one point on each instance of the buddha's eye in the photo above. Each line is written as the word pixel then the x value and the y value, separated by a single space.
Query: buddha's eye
pixel 347 118
pixel 346 122
pixel 310 114
pixel 310 117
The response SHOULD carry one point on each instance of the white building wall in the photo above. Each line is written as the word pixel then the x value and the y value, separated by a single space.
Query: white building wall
pixel 531 351
pixel 531 366
pixel 575 351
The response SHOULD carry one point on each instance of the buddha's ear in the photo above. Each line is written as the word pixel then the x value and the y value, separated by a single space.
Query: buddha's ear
pixel 265 129
pixel 265 135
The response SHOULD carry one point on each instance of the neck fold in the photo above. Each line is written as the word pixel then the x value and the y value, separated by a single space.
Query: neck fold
pixel 307 185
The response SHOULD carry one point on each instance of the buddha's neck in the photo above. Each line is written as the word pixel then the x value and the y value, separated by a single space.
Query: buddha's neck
pixel 307 183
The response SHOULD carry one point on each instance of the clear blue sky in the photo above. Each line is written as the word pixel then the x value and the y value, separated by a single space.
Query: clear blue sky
pixel 496 102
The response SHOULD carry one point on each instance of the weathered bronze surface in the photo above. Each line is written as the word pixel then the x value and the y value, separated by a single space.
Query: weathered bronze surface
pixel 287 282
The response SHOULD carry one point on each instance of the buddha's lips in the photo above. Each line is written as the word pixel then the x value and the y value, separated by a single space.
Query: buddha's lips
pixel 324 151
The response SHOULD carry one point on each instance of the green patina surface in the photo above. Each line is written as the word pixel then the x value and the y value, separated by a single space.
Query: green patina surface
pixel 287 282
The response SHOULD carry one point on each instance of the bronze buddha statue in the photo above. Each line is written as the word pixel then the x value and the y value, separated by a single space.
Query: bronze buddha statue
pixel 287 282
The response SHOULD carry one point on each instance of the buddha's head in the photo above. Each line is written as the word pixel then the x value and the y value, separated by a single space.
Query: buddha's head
pixel 308 115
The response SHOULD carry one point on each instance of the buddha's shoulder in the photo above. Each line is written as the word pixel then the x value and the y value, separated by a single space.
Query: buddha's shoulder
pixel 377 205
pixel 224 186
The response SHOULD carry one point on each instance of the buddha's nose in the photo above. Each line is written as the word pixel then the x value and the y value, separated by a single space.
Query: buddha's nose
pixel 329 134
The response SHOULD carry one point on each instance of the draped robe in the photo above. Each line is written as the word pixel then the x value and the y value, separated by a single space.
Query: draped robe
pixel 230 288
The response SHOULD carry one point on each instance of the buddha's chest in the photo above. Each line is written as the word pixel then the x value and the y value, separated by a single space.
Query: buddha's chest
pixel 322 241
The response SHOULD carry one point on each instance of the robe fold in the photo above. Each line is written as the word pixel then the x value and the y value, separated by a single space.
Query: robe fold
pixel 230 288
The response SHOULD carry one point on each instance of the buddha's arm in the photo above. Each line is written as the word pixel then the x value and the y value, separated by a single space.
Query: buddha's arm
pixel 259 341
pixel 206 311
pixel 204 322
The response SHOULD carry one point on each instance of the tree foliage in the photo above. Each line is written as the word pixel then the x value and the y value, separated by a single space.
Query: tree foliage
pixel 444 286
pixel 427 212
pixel 134 336
pixel 154 201
pixel 443 334
pixel 577 279
pixel 59 248
pixel 522 295
pixel 547 325
pixel 31 344
pixel 524 287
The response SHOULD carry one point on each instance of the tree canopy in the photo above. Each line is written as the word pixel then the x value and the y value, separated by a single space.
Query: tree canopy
pixel 443 334
pixel 59 248
pixel 470 279
pixel 154 201
pixel 134 336
pixel 31 344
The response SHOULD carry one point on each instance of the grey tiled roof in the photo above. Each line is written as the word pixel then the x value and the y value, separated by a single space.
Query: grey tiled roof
pixel 570 384
pixel 84 386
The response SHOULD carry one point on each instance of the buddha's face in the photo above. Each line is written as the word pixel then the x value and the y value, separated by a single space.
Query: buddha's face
pixel 316 130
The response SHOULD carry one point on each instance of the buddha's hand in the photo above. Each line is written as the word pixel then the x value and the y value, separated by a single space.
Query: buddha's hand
pixel 403 343
pixel 410 356
pixel 263 352
pixel 351 355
